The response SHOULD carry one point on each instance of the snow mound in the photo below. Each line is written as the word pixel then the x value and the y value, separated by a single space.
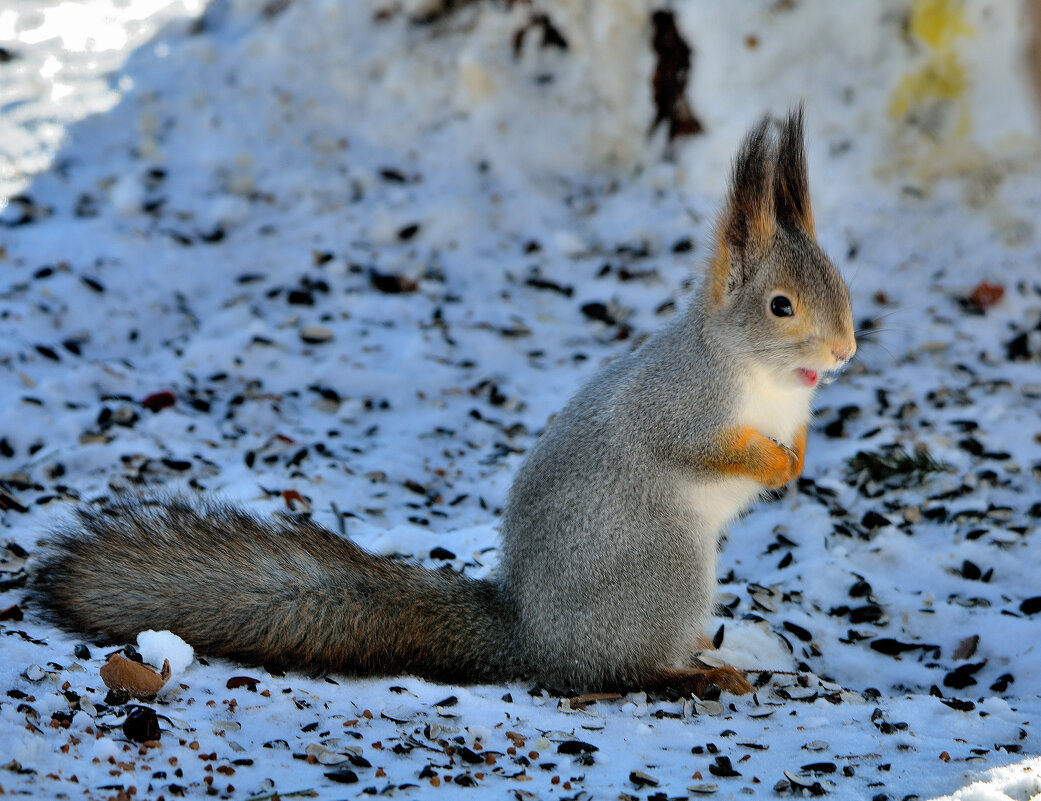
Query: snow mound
pixel 157 646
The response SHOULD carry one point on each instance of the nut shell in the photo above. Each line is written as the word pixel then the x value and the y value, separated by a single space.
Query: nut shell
pixel 141 681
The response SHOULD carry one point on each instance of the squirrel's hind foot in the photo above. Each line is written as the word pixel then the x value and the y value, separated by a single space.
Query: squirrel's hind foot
pixel 699 681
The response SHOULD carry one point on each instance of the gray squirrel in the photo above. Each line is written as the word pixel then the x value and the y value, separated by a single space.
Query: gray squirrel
pixel 611 528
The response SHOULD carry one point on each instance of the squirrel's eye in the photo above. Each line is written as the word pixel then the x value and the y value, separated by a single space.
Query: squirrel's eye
pixel 781 306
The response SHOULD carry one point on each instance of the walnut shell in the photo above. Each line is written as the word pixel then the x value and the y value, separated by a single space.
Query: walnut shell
pixel 141 681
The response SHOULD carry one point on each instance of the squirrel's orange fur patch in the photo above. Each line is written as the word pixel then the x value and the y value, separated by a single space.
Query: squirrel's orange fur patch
pixel 745 452
pixel 719 270
pixel 800 450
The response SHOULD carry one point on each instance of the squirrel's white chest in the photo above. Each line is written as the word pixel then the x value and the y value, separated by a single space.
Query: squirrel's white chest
pixel 715 503
pixel 775 409
pixel 772 409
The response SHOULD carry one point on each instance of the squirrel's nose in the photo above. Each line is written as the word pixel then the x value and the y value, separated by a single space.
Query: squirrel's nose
pixel 844 353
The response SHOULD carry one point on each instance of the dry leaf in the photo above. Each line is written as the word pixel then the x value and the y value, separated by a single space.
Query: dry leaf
pixel 967 647
pixel 986 295
pixel 141 681
pixel 296 502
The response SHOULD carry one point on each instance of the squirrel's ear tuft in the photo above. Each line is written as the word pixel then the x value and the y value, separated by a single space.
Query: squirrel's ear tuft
pixel 747 224
pixel 791 181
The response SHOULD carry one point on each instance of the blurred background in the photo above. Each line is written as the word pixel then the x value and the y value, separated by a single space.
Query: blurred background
pixel 911 90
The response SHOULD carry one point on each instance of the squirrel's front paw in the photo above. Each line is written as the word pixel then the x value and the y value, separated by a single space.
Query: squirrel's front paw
pixel 747 452
pixel 785 465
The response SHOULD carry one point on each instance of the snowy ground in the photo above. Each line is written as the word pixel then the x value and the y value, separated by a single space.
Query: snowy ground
pixel 367 258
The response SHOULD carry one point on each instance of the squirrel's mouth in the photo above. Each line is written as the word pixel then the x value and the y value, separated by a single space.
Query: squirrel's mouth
pixel 807 377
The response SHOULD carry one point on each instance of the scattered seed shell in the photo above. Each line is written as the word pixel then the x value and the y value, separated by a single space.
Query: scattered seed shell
pixel 641 779
pixel 713 708
pixel 315 334
pixel 799 781
pixel 142 725
pixel 324 756
pixel 345 776
pixel 399 714
pixel 35 673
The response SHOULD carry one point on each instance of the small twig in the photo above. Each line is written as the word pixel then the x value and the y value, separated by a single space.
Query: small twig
pixel 341 522
pixel 579 701
pixel 308 793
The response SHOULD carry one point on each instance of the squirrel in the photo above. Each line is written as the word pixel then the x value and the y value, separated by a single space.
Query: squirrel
pixel 611 528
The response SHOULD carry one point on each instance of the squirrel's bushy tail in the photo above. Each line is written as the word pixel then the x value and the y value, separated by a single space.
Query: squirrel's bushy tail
pixel 283 592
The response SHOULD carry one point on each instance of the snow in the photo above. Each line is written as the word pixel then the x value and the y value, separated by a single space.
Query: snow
pixel 1002 784
pixel 249 173
pixel 156 647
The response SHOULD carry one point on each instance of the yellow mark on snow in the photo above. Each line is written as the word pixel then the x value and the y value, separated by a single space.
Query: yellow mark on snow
pixel 938 23
pixel 932 97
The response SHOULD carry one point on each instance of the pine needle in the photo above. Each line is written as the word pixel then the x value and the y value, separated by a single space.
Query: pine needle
pixel 276 795
pixel 896 465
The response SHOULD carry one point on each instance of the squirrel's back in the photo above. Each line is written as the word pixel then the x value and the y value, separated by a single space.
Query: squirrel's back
pixel 596 536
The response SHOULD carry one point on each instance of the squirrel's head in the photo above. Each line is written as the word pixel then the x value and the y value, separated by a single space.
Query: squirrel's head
pixel 770 292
